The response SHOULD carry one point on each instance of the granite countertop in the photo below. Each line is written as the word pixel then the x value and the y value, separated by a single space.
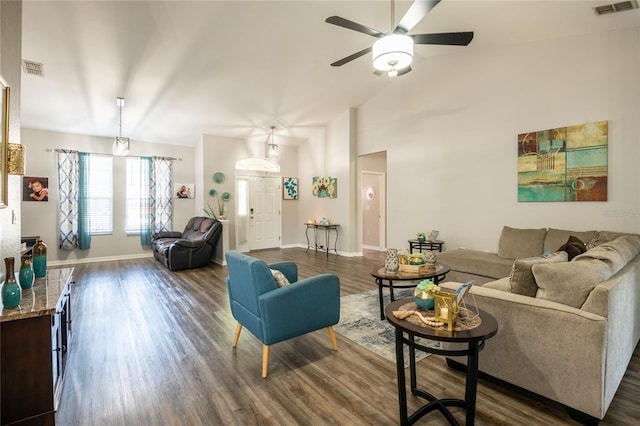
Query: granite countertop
pixel 41 299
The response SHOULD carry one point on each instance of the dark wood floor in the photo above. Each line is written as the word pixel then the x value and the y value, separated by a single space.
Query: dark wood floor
pixel 153 347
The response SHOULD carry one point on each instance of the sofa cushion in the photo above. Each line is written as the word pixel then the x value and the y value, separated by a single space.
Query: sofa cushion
pixel 616 253
pixel 569 283
pixel 557 237
pixel 522 281
pixel 573 247
pixel 521 243
pixel 476 262
pixel 502 284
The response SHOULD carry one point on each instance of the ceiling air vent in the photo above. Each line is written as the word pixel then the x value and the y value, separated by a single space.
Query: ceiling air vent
pixel 615 7
pixel 32 68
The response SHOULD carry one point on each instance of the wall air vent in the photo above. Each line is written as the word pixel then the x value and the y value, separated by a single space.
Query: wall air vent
pixel 32 68
pixel 616 7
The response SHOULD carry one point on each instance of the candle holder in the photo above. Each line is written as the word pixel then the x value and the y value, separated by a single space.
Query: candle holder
pixel 446 308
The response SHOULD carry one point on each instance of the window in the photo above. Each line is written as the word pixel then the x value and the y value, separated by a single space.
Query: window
pixel 101 194
pixel 133 194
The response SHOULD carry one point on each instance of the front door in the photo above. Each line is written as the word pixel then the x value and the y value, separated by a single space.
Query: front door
pixel 264 212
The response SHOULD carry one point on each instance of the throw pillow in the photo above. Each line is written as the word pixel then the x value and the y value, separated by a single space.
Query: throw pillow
pixel 573 247
pixel 280 278
pixel 517 243
pixel 569 283
pixel 522 281
pixel 557 237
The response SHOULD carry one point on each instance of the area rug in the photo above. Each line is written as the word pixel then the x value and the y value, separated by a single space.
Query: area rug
pixel 360 322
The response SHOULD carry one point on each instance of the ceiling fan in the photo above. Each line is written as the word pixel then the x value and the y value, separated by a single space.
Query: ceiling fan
pixel 393 52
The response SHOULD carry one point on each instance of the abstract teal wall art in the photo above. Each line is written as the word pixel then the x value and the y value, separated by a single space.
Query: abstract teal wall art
pixel 564 164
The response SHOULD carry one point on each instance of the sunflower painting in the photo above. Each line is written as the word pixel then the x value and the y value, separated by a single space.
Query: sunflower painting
pixel 324 187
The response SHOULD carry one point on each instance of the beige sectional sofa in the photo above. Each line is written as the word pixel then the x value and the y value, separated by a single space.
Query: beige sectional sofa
pixel 572 337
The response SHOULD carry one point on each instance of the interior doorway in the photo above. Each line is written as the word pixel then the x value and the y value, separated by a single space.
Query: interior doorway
pixel 373 201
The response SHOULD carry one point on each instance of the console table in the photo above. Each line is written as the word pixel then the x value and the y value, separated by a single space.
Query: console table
pixel 327 230
pixel 474 340
pixel 33 350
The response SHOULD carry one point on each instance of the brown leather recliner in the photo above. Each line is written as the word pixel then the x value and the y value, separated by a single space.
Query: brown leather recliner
pixel 192 248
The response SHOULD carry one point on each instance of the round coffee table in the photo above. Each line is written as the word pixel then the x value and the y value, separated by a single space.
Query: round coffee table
pixel 473 338
pixel 386 279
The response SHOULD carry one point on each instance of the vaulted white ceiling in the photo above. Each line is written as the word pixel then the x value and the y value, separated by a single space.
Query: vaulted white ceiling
pixel 234 68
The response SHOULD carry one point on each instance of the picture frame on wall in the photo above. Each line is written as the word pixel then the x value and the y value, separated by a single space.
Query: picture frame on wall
pixel 4 142
pixel 35 188
pixel 184 190
pixel 289 188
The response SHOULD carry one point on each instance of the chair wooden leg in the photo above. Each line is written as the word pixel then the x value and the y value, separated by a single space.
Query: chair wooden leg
pixel 237 335
pixel 332 336
pixel 265 360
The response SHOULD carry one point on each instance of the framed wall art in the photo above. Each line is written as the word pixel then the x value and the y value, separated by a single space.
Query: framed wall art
pixel 4 142
pixel 35 188
pixel 564 164
pixel 289 188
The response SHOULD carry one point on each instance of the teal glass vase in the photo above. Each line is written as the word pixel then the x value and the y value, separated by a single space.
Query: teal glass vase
pixel 11 292
pixel 26 275
pixel 40 259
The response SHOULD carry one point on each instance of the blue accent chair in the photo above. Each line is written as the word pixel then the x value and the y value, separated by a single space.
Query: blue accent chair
pixel 274 314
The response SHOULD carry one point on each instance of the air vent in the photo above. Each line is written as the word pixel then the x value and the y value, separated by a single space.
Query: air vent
pixel 32 68
pixel 615 7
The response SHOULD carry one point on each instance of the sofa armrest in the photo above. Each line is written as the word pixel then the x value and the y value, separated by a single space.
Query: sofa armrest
pixel 289 269
pixel 545 347
pixel 293 310
pixel 190 243
pixel 166 234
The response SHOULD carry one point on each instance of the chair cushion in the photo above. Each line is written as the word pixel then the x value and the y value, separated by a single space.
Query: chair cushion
pixel 522 281
pixel 281 280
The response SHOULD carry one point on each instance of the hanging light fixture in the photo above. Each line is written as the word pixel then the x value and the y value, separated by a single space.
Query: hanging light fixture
pixel 272 148
pixel 120 144
pixel 392 52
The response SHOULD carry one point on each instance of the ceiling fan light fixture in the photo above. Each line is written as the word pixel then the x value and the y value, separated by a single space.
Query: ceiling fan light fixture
pixel 392 52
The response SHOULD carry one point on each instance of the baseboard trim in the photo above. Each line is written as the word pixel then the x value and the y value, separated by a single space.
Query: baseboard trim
pixel 68 262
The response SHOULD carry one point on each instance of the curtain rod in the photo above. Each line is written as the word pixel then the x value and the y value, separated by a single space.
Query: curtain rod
pixel 133 156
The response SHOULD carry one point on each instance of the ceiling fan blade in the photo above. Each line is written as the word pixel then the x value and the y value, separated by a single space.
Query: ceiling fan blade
pixel 345 23
pixel 414 14
pixel 451 39
pixel 351 57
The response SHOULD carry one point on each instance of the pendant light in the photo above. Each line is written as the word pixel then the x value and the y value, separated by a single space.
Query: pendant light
pixel 120 144
pixel 272 148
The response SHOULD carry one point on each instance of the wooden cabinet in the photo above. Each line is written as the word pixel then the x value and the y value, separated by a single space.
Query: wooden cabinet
pixel 34 345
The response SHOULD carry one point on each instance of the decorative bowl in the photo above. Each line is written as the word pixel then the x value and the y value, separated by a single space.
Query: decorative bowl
pixel 424 303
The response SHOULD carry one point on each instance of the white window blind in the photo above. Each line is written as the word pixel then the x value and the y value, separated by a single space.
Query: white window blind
pixel 133 194
pixel 101 194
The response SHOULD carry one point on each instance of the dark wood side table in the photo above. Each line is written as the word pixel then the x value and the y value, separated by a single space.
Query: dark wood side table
pixel 386 279
pixel 425 245
pixel 474 339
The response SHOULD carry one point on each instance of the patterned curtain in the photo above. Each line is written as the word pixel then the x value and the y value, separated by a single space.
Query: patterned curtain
pixel 73 224
pixel 156 197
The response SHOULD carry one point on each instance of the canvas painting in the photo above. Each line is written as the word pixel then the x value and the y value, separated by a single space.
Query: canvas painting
pixel 564 164
pixel 35 188
pixel 184 190
pixel 290 188
pixel 325 187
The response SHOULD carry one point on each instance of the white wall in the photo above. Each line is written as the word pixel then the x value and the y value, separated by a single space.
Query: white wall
pixel 450 129
pixel 332 152
pixel 10 56
pixel 220 154
pixel 40 218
